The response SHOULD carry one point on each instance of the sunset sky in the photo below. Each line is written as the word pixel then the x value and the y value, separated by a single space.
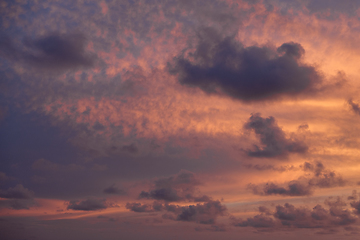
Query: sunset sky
pixel 162 119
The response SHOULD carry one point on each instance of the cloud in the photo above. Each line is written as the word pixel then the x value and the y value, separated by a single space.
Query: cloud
pixel 289 216
pixel 273 139
pixel 304 186
pixel 180 187
pixel 87 205
pixel 204 213
pixel 354 106
pixel 224 66
pixel 53 51
pixel 17 192
pixel 114 190
pixel 138 207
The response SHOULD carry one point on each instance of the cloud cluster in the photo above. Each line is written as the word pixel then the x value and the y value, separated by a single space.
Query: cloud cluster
pixel 289 216
pixel 17 197
pixel 181 187
pixel 222 65
pixel 304 186
pixel 87 205
pixel 204 213
pixel 273 139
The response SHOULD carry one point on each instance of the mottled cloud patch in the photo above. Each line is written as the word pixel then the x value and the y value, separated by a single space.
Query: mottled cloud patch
pixel 181 187
pixel 289 216
pixel 53 51
pixel 87 205
pixel 273 139
pixel 223 66
pixel 305 185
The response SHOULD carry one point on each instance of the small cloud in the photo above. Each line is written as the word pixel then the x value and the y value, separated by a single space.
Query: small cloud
pixel 87 205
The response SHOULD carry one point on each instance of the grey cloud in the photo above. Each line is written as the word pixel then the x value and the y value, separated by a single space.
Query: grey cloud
pixel 17 192
pixel 354 106
pixel 138 207
pixel 273 139
pixel 204 213
pixel 181 187
pixel 224 66
pixel 87 205
pixel 289 216
pixel 304 186
pixel 114 190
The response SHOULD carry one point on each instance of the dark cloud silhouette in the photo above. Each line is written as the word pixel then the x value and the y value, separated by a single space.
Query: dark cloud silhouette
pixel 288 216
pixel 87 205
pixel 17 192
pixel 204 213
pixel 294 188
pixel 269 167
pixel 138 207
pixel 304 186
pixel 354 106
pixel 114 190
pixel 273 139
pixel 54 51
pixel 181 187
pixel 224 66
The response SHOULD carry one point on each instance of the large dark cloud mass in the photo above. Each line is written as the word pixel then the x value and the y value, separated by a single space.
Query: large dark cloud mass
pixel 273 139
pixel 53 51
pixel 304 186
pixel 224 66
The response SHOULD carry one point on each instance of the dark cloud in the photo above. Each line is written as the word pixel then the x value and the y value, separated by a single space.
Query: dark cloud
pixel 87 205
pixel 304 186
pixel 138 207
pixel 17 192
pixel 289 216
pixel 181 187
pixel 114 190
pixel 273 139
pixel 269 167
pixel 294 188
pixel 354 106
pixel 53 51
pixel 224 66
pixel 204 213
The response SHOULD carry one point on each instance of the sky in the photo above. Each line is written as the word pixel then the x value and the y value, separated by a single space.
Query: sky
pixel 163 119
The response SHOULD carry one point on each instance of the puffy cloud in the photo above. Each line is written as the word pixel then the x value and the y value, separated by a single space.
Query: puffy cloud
pixel 289 216
pixel 224 66
pixel 304 186
pixel 273 139
pixel 17 192
pixel 87 205
pixel 204 213
pixel 181 187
